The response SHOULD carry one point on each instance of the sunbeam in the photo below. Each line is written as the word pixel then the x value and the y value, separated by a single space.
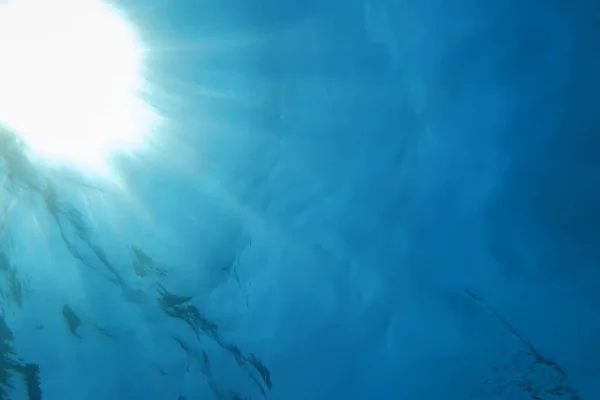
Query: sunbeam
pixel 71 82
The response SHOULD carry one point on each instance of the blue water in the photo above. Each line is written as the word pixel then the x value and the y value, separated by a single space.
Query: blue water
pixel 353 200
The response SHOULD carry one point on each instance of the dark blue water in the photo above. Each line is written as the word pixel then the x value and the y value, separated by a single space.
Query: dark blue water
pixel 352 200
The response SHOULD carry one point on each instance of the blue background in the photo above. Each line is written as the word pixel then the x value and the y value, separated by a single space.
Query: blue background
pixel 365 164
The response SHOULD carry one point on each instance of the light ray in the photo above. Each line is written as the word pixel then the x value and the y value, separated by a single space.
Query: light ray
pixel 71 82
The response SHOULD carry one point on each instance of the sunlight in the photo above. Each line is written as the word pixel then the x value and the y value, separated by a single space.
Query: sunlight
pixel 70 81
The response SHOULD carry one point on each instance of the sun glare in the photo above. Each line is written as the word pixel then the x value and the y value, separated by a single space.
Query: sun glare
pixel 70 81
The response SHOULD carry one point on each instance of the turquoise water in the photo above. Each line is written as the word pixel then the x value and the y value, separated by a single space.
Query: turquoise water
pixel 349 200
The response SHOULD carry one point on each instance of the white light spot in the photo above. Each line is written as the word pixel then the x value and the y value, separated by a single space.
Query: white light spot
pixel 70 80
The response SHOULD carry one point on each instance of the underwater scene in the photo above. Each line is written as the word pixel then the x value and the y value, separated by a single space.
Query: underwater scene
pixel 299 200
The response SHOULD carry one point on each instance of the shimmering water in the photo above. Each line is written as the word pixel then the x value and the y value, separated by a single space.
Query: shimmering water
pixel 347 200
